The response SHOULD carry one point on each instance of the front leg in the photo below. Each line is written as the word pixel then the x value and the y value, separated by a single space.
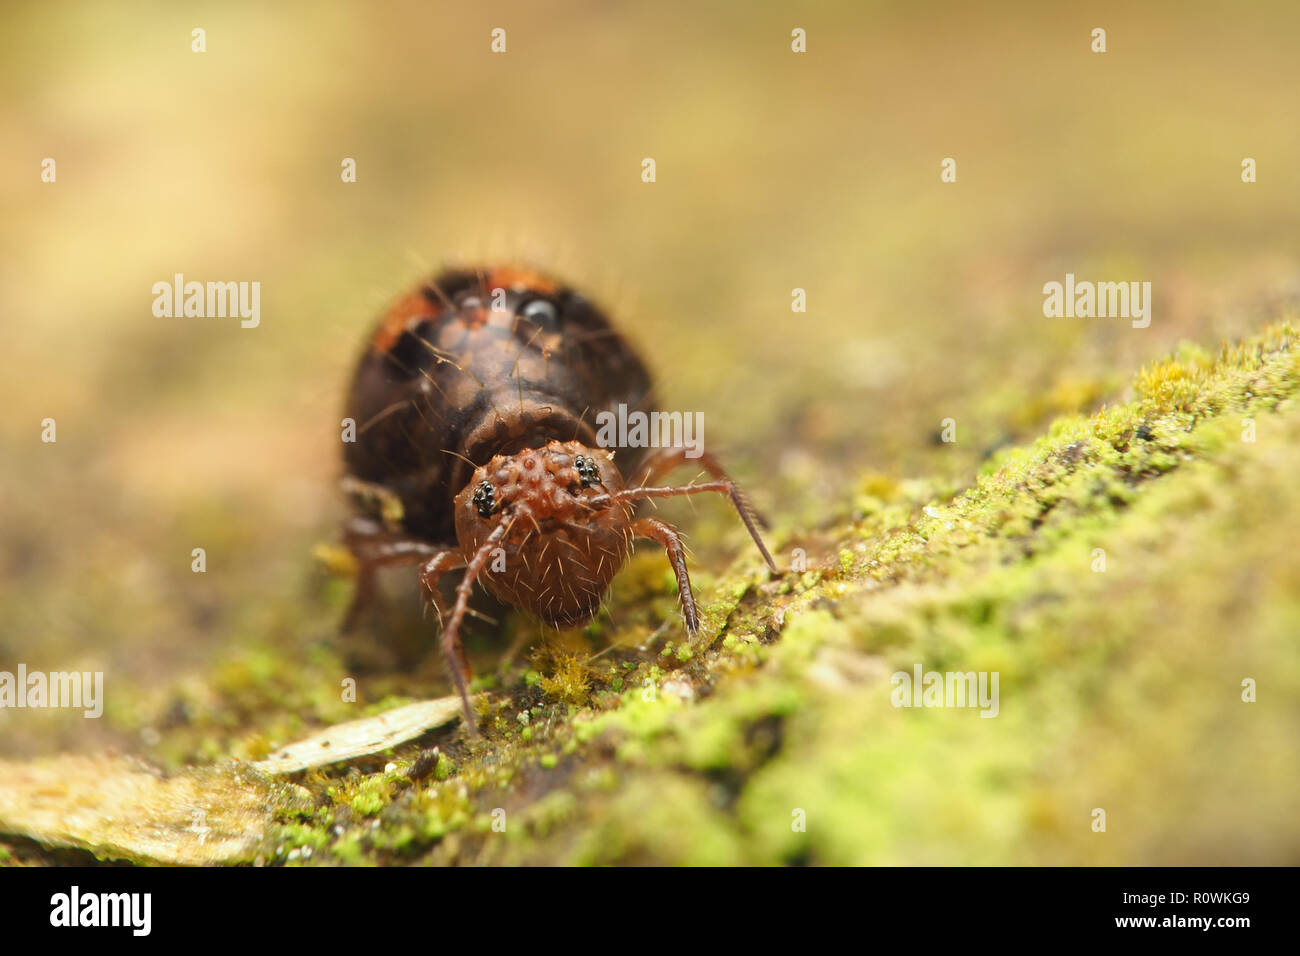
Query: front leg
pixel 658 531
pixel 669 459
pixel 726 487
pixel 452 647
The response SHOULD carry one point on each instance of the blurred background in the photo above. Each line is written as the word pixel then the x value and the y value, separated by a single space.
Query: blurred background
pixel 775 171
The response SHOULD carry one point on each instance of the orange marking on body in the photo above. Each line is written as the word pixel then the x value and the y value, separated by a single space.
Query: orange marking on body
pixel 503 277
pixel 410 308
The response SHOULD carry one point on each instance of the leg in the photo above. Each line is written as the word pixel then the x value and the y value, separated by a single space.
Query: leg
pixel 375 547
pixel 727 487
pixel 457 663
pixel 665 460
pixel 656 530
pixel 452 648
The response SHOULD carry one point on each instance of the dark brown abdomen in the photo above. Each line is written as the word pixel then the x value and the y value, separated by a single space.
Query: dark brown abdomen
pixel 437 383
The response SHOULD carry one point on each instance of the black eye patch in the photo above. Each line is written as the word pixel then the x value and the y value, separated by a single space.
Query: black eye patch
pixel 587 471
pixel 485 499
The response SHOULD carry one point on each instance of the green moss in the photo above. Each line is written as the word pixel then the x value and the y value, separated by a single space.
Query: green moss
pixel 371 797
pixel 569 680
pixel 1101 571
pixel 669 819
pixel 296 836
